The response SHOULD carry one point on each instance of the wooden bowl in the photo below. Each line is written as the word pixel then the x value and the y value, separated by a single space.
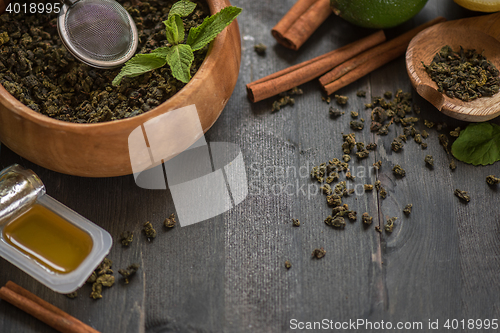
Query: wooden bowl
pixel 481 33
pixel 102 150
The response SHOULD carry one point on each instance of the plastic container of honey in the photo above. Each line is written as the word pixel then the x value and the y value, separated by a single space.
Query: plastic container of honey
pixel 43 237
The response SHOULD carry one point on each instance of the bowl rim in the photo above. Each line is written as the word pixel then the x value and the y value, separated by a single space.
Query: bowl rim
pixel 174 102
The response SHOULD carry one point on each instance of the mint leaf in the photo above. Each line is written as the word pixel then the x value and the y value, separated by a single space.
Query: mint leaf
pixel 182 8
pixel 161 52
pixel 478 144
pixel 211 26
pixel 179 59
pixel 138 65
pixel 174 29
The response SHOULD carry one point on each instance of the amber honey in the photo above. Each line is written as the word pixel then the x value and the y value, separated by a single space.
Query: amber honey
pixel 49 239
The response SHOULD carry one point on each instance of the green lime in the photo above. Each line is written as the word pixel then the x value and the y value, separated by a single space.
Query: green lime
pixel 377 14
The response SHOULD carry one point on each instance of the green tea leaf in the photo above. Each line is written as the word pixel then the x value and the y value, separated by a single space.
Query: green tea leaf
pixel 182 8
pixel 138 65
pixel 478 144
pixel 179 59
pixel 174 29
pixel 211 27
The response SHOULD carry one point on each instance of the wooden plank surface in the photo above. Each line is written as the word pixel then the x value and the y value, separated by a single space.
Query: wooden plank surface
pixel 227 274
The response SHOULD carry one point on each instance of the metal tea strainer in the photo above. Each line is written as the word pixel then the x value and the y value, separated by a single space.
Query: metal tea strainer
pixel 100 33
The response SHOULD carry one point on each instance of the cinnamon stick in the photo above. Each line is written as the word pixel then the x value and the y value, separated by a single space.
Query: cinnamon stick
pixel 3 5
pixel 42 310
pixel 370 60
pixel 300 22
pixel 293 76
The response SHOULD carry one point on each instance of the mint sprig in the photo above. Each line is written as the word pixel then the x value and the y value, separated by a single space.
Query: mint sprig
pixel 178 55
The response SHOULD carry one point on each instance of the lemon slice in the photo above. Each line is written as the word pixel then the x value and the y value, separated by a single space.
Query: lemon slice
pixel 378 14
pixel 480 5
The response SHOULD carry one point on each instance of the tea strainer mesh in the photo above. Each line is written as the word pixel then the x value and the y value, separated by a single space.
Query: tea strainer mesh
pixel 100 33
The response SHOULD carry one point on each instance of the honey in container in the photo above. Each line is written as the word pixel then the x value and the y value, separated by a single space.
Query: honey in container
pixel 45 238
pixel 49 239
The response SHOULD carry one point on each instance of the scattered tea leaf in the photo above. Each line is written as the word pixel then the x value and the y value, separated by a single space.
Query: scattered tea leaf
pixel 398 171
pixel 429 160
pixel 407 209
pixel 389 225
pixel 462 195
pixel 170 222
pixel 341 100
pixel 72 295
pixel 260 49
pixel 319 253
pixel 366 218
pixel 128 272
pixel 101 276
pixel 126 238
pixel 148 230
pixel 492 180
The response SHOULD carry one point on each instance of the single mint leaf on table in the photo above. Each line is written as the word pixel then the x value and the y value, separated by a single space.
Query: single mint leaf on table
pixel 203 34
pixel 174 29
pixel 138 65
pixel 179 59
pixel 478 144
pixel 182 8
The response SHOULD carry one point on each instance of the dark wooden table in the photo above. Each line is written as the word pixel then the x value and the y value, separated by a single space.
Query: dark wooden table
pixel 227 274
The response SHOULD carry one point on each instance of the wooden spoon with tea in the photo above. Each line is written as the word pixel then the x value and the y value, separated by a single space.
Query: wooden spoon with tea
pixel 479 33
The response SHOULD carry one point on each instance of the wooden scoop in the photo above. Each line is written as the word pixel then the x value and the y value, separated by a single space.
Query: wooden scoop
pixel 479 33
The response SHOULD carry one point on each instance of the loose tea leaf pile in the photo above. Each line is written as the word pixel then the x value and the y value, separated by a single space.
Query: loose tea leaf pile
pixel 465 74
pixel 38 70
pixel 384 113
